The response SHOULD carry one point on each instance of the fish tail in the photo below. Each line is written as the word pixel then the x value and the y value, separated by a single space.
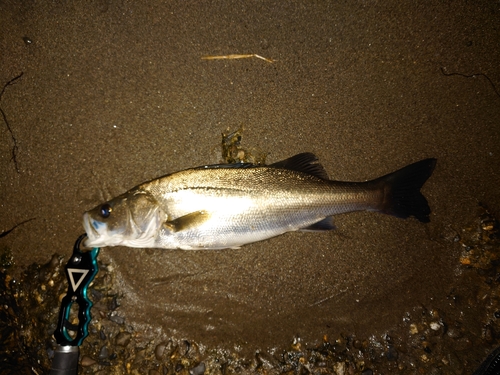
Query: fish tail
pixel 402 196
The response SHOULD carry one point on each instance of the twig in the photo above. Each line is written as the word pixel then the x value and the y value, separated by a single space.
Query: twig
pixel 6 232
pixel 232 57
pixel 14 140
pixel 473 76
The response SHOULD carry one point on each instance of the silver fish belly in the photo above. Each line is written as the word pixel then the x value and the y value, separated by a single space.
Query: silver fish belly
pixel 227 206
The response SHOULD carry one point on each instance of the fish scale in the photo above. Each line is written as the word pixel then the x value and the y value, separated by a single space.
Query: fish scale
pixel 227 206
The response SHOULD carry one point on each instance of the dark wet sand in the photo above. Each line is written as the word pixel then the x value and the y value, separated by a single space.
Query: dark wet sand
pixel 116 93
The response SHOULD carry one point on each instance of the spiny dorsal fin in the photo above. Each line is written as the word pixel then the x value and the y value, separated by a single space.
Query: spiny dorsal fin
pixel 227 166
pixel 306 162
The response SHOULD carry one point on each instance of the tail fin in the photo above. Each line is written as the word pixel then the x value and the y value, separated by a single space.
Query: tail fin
pixel 402 196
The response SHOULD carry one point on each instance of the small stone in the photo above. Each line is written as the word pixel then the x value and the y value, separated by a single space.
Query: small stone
pixel 358 344
pixel 103 353
pixel 198 370
pixel 435 326
pixel 465 260
pixel 113 304
pixel 54 261
pixel 116 318
pixel 96 295
pixel 184 347
pixel 123 338
pixel 140 356
pixel 27 40
pixel 339 368
pixel 488 225
pixel 87 361
pixel 159 350
pixel 179 367
pixel 413 329
pixel 102 334
pixel 426 347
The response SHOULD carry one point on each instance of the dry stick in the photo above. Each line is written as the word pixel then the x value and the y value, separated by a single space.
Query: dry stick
pixel 232 57
pixel 472 76
pixel 14 140
pixel 6 232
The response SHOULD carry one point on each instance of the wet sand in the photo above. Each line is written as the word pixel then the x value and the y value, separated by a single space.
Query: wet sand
pixel 114 94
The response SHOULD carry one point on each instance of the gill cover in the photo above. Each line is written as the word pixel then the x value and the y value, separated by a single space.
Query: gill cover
pixel 131 219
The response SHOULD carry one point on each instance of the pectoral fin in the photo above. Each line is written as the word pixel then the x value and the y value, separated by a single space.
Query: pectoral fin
pixel 188 221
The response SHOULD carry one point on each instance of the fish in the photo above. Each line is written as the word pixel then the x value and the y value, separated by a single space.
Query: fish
pixel 230 205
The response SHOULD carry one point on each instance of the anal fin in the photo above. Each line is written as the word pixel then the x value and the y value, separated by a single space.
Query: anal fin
pixel 320 226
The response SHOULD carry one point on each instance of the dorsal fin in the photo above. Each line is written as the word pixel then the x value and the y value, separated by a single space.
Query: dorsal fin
pixel 306 162
pixel 227 166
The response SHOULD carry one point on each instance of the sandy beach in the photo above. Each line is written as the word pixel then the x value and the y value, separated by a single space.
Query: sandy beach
pixel 116 93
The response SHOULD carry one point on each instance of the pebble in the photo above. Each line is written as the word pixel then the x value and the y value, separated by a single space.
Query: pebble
pixel 102 334
pixel 198 370
pixel 123 339
pixel 87 361
pixel 96 295
pixel 435 326
pixel 113 304
pixel 184 347
pixel 179 367
pixel 358 344
pixel 339 368
pixel 116 318
pixel 159 350
pixel 103 353
pixel 54 261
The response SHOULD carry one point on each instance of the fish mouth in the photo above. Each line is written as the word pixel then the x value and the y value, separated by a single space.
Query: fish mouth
pixel 92 234
pixel 98 233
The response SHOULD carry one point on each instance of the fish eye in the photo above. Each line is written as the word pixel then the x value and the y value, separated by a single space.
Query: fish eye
pixel 105 210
